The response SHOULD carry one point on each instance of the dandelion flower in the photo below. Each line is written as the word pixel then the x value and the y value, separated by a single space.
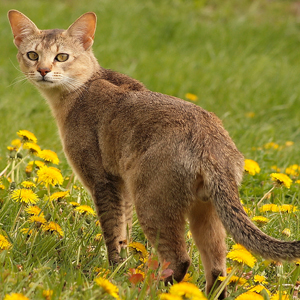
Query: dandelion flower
pixel 28 184
pixel 47 294
pixel 16 143
pixel 250 114
pixel 53 227
pixel 249 296
pixel 271 145
pixel 297 181
pixel 269 207
pixel 281 179
pixel 15 296
pixel 98 237
pixel 286 232
pixel 34 210
pixel 33 148
pixel 49 156
pixel 287 208
pixel 234 279
pixel 258 289
pixel 166 296
pixel 4 243
pixel 85 209
pixel 25 196
pixel 35 163
pixel 276 169
pixel 2 186
pixel 74 203
pixel 27 135
pixel 260 220
pixel 26 231
pixel 139 248
pixel 292 170
pixel 191 96
pixel 49 175
pixel 186 289
pixel 59 195
pixel 242 255
pixel 108 287
pixel 251 167
pixel 260 279
pixel 284 296
pixel 37 219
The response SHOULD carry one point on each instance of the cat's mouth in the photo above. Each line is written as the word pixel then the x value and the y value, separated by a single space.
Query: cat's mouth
pixel 45 80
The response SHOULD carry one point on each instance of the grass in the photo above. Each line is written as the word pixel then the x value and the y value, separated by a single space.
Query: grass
pixel 240 58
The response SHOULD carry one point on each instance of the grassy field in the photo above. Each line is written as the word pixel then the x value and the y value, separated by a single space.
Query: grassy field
pixel 242 61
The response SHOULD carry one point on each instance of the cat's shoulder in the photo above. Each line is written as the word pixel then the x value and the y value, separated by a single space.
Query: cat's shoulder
pixel 124 82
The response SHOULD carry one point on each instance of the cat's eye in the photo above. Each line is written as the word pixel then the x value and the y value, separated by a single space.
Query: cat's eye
pixel 61 57
pixel 32 55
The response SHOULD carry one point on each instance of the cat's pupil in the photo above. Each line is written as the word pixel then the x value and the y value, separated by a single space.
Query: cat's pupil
pixel 32 55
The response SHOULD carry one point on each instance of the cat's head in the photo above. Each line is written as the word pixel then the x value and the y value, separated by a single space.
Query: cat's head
pixel 55 59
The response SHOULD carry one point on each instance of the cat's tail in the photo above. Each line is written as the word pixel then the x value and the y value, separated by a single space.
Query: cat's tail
pixel 224 192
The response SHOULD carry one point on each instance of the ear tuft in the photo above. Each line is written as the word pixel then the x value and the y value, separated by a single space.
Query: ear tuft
pixel 84 29
pixel 21 26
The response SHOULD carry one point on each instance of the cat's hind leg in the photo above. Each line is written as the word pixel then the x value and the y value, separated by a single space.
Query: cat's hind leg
pixel 209 236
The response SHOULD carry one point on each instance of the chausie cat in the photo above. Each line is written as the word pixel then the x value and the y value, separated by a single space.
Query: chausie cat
pixel 130 146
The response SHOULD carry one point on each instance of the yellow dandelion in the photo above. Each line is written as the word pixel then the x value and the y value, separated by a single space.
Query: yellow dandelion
pixel 15 296
pixel 187 278
pixel 74 203
pixel 259 288
pixel 36 163
pixel 275 168
pixel 47 294
pixel 281 179
pixel 27 231
pixel 4 243
pixel 28 184
pixel 187 290
pixel 251 167
pixel 260 279
pixel 287 208
pixel 102 272
pixel 33 148
pixel 49 175
pixel 249 296
pixel 165 296
pixel 98 237
pixel 27 135
pixel 242 255
pixel 260 220
pixel 2 186
pixel 297 181
pixel 16 143
pixel 25 196
pixel 289 143
pixel 49 156
pixel 59 195
pixel 269 207
pixel 108 287
pixel 85 209
pixel 37 219
pixel 234 279
pixel 34 210
pixel 191 97
pixel 271 145
pixel 250 114
pixel 292 171
pixel 53 227
pixel 284 296
pixel 140 248
pixel 247 210
pixel 286 232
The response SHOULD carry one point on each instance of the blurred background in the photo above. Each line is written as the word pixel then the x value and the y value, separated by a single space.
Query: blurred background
pixel 240 59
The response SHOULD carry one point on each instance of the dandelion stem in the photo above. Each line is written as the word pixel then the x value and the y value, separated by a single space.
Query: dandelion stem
pixel 3 172
pixel 222 286
pixel 17 217
pixel 14 166
pixel 265 195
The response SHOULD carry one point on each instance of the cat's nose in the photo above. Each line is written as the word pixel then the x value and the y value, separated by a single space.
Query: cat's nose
pixel 43 71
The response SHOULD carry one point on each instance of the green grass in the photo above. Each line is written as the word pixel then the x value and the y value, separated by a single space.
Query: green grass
pixel 238 57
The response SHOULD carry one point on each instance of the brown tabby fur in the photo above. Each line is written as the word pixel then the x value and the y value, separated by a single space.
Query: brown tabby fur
pixel 129 146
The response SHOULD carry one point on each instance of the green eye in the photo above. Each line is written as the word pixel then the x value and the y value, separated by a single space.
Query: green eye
pixel 61 57
pixel 32 55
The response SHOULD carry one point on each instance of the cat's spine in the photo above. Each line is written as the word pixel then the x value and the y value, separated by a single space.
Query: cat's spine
pixel 224 194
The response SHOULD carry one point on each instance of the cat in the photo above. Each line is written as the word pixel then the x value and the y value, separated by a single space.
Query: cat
pixel 130 146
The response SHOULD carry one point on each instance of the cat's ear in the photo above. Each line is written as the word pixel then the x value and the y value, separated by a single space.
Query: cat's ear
pixel 21 26
pixel 84 29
